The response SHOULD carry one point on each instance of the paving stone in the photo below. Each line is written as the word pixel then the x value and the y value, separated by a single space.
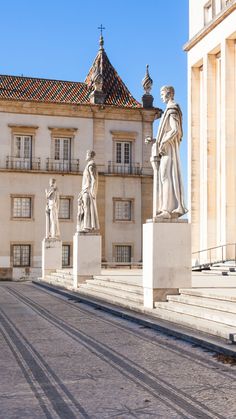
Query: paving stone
pixel 62 359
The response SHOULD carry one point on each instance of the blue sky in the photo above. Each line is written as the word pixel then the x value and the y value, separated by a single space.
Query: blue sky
pixel 58 39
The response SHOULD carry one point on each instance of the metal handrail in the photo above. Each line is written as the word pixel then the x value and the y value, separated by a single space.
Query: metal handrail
pixel 71 165
pixel 210 260
pixel 131 265
pixel 22 163
pixel 124 169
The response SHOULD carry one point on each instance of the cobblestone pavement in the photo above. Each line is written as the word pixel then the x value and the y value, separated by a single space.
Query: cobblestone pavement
pixel 63 359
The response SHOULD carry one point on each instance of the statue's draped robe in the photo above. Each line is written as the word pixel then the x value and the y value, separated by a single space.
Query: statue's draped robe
pixel 171 194
pixel 52 210
pixel 87 206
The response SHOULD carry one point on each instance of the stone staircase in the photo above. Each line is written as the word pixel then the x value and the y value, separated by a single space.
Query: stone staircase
pixel 209 310
pixel 119 287
pixel 61 278
pixel 210 306
pixel 123 289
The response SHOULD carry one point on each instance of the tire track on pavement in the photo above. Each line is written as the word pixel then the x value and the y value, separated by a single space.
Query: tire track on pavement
pixel 165 392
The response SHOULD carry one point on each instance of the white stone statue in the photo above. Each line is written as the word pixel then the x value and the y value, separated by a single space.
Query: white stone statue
pixel 52 211
pixel 168 191
pixel 87 218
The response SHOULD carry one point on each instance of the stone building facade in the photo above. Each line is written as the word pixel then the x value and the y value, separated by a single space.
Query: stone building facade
pixel 211 53
pixel 46 127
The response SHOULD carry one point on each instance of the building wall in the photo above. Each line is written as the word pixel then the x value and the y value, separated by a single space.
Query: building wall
pixel 90 128
pixel 212 131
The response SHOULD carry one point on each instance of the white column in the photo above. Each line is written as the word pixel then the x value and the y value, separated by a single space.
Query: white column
pixel 203 155
pixel 228 186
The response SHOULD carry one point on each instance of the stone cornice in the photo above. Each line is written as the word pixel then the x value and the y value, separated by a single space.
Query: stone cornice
pixel 57 131
pixel 211 25
pixel 23 128
pixel 79 111
pixel 124 134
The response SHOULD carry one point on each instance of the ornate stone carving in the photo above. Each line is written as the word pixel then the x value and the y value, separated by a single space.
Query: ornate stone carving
pixel 52 211
pixel 147 85
pixel 168 188
pixel 147 82
pixel 87 218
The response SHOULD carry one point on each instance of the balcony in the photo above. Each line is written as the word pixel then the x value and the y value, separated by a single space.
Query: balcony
pixel 20 163
pixel 65 166
pixel 124 169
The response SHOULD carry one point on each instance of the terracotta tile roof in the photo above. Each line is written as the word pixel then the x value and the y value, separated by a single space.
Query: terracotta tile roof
pixel 43 90
pixel 116 91
pixel 57 91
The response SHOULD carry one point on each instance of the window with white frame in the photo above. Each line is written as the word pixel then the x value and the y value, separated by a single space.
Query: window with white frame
pixel 22 146
pixel 62 148
pixel 66 251
pixel 123 152
pixel 122 209
pixel 21 207
pixel 21 255
pixel 65 208
pixel 122 253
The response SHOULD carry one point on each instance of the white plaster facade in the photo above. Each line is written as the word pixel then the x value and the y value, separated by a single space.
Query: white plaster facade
pixel 212 131
pixel 90 127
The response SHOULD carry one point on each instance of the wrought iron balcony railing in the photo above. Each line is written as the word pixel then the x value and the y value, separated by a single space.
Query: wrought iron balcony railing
pixel 124 169
pixel 21 163
pixel 62 165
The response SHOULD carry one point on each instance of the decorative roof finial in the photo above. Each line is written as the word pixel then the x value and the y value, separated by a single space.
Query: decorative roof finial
pixel 101 40
pixel 147 82
pixel 147 85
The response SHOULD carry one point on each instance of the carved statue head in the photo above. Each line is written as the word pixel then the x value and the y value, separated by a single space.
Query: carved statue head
pixel 52 182
pixel 90 155
pixel 167 93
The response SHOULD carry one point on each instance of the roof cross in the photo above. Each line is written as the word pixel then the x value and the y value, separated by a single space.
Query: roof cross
pixel 101 28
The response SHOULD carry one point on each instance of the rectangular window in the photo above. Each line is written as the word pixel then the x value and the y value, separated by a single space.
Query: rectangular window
pixel 122 253
pixel 65 208
pixel 122 210
pixel 65 255
pixel 21 207
pixel 123 152
pixel 22 146
pixel 21 255
pixel 62 148
pixel 208 12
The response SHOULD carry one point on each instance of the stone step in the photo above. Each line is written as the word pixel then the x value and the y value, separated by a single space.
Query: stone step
pixel 65 270
pixel 129 288
pixel 224 306
pixel 61 275
pixel 201 280
pixel 203 325
pixel 53 281
pixel 197 312
pixel 214 293
pixel 100 295
pixel 136 298
pixel 131 279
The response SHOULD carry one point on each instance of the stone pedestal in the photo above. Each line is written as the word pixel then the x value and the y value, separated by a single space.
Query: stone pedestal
pixel 51 255
pixel 87 256
pixel 166 258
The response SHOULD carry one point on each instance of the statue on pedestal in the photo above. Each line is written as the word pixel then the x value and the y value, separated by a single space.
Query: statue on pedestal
pixel 168 189
pixel 87 218
pixel 52 211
